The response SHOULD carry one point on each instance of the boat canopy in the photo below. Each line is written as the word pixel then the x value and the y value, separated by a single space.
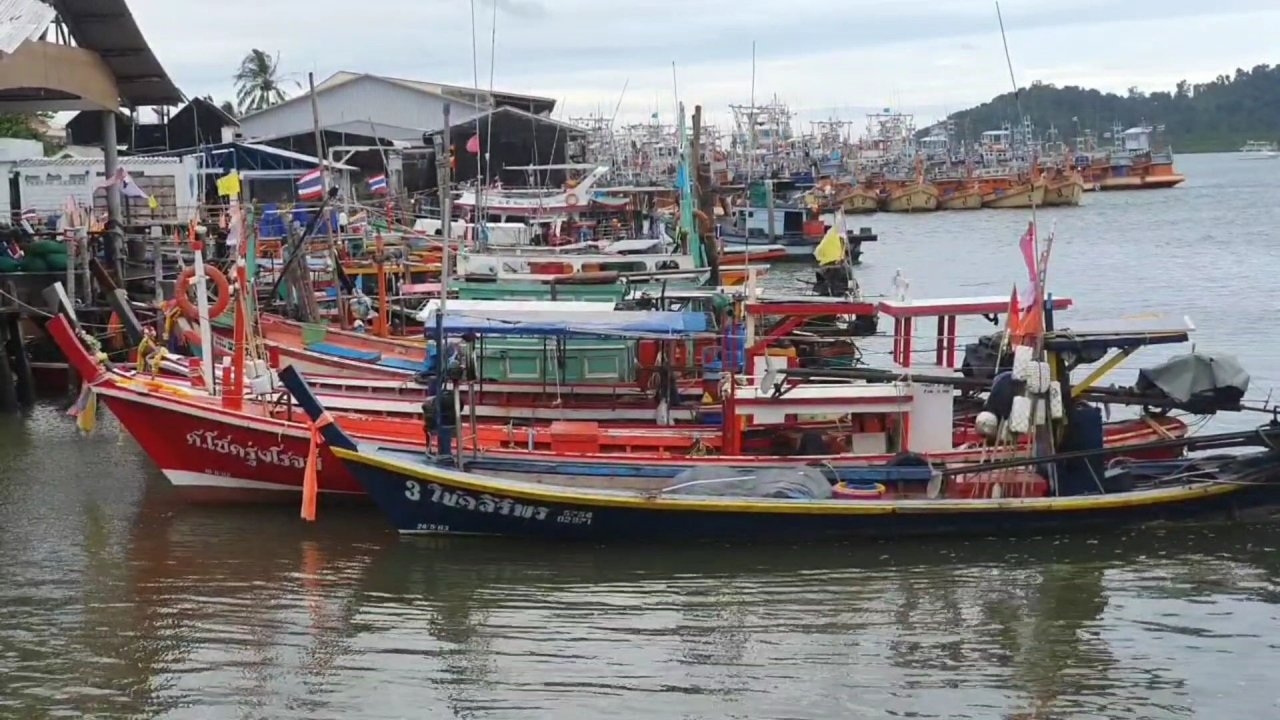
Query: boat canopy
pixel 559 319
pixel 1101 336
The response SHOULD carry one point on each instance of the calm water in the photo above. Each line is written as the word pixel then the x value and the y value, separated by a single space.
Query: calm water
pixel 118 601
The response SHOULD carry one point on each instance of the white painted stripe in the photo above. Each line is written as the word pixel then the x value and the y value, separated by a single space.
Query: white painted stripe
pixel 187 478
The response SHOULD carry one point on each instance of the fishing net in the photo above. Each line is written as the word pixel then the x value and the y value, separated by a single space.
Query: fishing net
pixel 719 481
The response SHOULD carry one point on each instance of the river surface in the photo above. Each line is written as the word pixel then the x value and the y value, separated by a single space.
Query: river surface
pixel 118 601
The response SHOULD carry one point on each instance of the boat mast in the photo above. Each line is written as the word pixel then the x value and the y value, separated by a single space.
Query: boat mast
pixel 751 119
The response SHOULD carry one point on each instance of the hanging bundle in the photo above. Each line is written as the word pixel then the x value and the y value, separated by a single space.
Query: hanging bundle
pixel 1020 415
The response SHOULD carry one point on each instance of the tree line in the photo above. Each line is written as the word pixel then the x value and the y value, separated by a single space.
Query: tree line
pixel 1219 115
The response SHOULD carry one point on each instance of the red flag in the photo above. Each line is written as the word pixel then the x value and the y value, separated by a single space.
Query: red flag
pixel 473 145
pixel 1028 247
pixel 1014 320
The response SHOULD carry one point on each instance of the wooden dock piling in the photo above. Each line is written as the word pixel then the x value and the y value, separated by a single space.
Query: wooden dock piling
pixel 8 390
pixel 24 378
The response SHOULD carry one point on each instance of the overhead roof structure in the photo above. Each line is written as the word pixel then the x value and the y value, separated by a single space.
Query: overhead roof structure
pixel 77 55
pixel 106 27
pixel 517 113
pixel 480 97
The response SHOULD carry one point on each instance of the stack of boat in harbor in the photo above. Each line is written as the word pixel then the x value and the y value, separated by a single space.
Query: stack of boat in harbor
pixel 723 420
pixel 543 393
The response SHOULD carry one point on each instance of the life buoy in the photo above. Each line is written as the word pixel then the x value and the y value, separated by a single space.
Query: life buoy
pixel 184 286
pixel 571 200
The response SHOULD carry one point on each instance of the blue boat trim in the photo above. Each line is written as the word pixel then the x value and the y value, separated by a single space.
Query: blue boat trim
pixel 369 356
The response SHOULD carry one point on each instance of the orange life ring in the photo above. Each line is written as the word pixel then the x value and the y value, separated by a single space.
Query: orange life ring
pixel 571 200
pixel 184 285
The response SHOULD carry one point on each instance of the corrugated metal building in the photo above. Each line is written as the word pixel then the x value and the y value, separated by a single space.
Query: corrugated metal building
pixel 366 106
pixel 358 109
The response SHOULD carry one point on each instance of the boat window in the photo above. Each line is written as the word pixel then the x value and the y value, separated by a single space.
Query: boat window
pixel 623 266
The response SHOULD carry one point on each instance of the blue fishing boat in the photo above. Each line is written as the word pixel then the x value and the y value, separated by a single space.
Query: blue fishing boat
pixel 796 503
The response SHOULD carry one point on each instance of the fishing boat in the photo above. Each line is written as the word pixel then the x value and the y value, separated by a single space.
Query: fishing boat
pixel 915 196
pixel 726 502
pixel 1004 191
pixel 859 200
pixel 958 194
pixel 537 203
pixel 237 445
pixel 1134 164
pixel 1063 188
pixel 1259 150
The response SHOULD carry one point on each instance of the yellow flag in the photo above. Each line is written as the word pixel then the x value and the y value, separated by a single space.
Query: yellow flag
pixel 229 184
pixel 87 420
pixel 831 249
pixel 152 202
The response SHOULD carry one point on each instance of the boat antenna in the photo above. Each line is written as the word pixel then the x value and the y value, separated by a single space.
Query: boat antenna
pixel 1017 101
pixel 751 118
pixel 488 133
pixel 475 83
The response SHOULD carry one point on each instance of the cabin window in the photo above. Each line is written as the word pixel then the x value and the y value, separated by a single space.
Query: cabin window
pixel 623 266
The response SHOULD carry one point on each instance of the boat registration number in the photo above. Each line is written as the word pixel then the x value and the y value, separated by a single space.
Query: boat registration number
pixel 574 517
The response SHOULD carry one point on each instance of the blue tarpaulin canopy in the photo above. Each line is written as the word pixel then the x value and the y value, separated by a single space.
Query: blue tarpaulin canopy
pixel 563 323
pixel 271 221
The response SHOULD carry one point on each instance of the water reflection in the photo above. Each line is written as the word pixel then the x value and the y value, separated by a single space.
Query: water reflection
pixel 144 607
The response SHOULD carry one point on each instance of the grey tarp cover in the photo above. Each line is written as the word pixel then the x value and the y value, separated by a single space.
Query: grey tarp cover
pixel 792 482
pixel 1197 378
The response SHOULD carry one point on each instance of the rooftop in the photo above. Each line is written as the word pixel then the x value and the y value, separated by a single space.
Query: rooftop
pixel 456 93
pixel 49 71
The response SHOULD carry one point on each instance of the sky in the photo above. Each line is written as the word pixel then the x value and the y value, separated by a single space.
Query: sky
pixel 839 58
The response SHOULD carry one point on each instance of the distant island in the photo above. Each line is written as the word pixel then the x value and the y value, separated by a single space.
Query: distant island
pixel 1216 116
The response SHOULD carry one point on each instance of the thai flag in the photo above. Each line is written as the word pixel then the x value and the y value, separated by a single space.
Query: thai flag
pixel 311 186
pixel 378 184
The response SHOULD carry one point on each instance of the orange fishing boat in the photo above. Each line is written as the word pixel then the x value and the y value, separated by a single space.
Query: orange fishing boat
pixel 911 196
pixel 1063 187
pixel 916 195
pixel 859 200
pixel 1135 165
pixel 958 194
pixel 1012 191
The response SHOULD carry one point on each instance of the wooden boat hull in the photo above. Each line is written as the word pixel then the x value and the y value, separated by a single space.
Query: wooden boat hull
pixel 964 200
pixel 1020 196
pixel 1140 182
pixel 422 499
pixel 1063 193
pixel 860 202
pixel 917 198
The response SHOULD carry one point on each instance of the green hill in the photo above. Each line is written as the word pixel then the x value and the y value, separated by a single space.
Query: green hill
pixel 1198 117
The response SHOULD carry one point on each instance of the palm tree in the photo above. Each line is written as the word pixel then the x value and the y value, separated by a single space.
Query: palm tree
pixel 258 82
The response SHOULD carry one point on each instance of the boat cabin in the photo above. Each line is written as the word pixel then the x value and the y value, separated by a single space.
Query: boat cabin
pixel 753 222
pixel 627 256
pixel 1137 140
pixel 882 418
